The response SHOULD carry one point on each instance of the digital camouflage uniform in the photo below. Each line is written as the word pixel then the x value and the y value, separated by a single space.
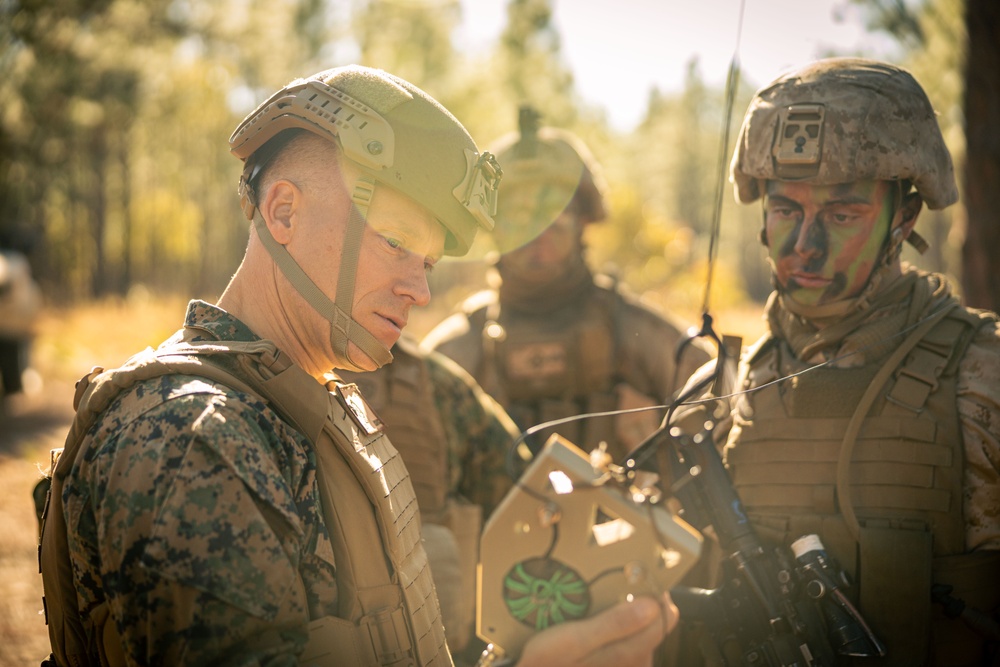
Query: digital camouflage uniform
pixel 194 513
pixel 477 430
pixel 594 350
pixel 193 510
pixel 784 447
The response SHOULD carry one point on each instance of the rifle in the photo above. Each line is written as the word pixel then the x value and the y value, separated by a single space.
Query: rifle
pixel 776 607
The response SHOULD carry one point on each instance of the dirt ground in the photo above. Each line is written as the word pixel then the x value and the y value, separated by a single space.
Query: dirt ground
pixel 30 425
pixel 69 342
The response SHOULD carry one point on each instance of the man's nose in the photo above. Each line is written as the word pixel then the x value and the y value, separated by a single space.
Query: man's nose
pixel 811 240
pixel 415 286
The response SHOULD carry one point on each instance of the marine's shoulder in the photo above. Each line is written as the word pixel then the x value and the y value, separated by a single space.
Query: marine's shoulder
pixel 177 407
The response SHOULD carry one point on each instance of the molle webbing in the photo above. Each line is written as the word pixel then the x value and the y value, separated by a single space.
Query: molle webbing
pixel 403 396
pixel 903 471
pixel 76 640
pixel 368 586
pixel 906 465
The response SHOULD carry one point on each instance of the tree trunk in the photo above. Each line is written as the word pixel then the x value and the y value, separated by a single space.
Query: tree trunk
pixel 980 256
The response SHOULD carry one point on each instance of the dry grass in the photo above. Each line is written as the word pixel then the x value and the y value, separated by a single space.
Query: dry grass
pixel 72 340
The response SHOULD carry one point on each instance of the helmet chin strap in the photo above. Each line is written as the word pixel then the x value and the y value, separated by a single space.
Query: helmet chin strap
pixel 343 328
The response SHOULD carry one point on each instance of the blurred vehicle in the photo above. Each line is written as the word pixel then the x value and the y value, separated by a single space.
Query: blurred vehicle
pixel 20 307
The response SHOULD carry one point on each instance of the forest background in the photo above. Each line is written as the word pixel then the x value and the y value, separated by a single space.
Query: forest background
pixel 116 180
pixel 115 174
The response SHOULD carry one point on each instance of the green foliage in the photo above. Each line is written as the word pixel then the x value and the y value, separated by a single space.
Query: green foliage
pixel 409 39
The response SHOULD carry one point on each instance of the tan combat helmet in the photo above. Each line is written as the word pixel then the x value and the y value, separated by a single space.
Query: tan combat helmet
pixel 545 170
pixel 841 120
pixel 398 136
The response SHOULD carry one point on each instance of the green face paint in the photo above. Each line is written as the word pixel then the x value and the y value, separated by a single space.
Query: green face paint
pixel 824 241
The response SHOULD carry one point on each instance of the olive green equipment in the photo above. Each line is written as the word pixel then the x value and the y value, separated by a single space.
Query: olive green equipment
pixel 398 137
pixel 572 538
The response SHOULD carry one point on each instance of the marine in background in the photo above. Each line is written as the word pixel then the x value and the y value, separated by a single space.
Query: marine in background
pixel 553 339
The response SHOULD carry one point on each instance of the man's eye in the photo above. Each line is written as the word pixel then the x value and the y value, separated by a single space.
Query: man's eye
pixel 393 243
pixel 428 267
pixel 840 217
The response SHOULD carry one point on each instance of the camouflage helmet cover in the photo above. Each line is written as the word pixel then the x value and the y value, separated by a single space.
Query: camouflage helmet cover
pixel 545 169
pixel 840 120
pixel 396 133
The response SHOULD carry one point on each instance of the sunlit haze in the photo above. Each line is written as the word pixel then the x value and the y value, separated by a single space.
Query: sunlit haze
pixel 619 50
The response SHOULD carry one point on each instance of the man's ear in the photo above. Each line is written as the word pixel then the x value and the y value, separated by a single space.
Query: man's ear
pixel 279 208
pixel 909 210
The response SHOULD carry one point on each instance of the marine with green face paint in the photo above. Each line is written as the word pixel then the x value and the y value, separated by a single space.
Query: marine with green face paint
pixel 226 498
pixel 886 442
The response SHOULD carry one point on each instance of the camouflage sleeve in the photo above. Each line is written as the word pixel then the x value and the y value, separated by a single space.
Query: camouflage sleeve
pixel 197 530
pixel 479 433
pixel 979 416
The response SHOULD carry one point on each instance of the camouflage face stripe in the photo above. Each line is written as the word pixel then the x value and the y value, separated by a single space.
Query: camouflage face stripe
pixel 825 241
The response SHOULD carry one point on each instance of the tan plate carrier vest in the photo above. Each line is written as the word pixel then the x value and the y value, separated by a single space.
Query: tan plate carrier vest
pixel 388 610
pixel 402 393
pixel 871 459
pixel 569 367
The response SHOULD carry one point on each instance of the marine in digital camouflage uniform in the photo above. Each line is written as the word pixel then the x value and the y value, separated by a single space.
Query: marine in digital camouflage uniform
pixel 891 451
pixel 225 498
pixel 554 340
pixel 193 512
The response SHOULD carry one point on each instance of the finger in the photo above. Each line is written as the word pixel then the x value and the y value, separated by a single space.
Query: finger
pixel 670 614
pixel 636 647
pixel 624 619
pixel 624 635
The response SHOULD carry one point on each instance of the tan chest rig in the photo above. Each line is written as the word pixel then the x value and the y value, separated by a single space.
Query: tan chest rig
pixel 870 459
pixel 389 613
pixel 402 393
pixel 542 368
